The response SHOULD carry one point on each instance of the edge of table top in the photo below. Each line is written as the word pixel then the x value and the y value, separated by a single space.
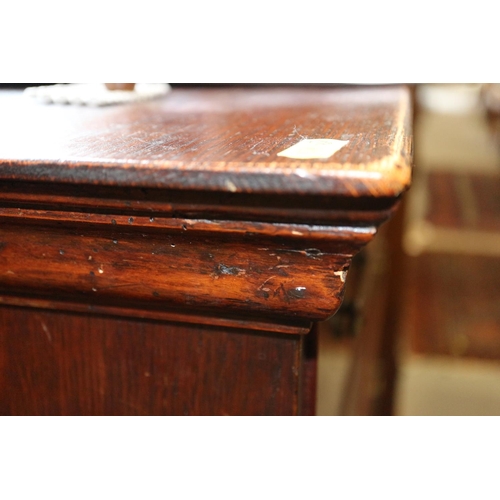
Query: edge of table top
pixel 154 144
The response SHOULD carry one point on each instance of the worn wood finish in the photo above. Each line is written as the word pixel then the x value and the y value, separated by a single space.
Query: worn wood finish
pixel 310 209
pixel 211 139
pixel 179 210
pixel 260 269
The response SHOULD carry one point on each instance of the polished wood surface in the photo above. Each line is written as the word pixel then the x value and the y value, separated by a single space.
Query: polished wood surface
pixel 90 365
pixel 179 213
pixel 214 139
pixel 190 265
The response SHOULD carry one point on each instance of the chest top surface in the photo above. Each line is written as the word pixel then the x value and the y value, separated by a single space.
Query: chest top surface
pixel 217 139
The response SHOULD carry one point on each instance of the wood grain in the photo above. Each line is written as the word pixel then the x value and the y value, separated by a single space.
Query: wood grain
pixel 90 365
pixel 156 257
pixel 262 270
pixel 216 139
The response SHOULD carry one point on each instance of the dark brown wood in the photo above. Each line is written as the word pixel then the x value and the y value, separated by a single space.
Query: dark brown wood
pixel 225 140
pixel 309 364
pixel 181 211
pixel 55 363
pixel 263 269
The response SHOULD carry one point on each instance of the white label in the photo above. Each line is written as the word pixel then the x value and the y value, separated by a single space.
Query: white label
pixel 313 148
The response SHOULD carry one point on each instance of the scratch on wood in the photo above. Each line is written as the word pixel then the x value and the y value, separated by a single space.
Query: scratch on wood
pixel 263 291
pixel 46 330
pixel 268 279
pixel 312 253
pixel 256 144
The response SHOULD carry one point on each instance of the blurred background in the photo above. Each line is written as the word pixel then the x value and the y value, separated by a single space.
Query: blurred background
pixel 437 350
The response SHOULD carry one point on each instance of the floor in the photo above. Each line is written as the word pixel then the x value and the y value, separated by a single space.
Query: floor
pixel 449 339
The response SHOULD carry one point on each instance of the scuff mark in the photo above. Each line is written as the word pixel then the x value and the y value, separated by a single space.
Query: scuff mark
pixel 263 291
pixel 256 144
pixel 280 269
pixel 299 292
pixel 312 253
pixel 342 274
pixel 281 289
pixel 47 331
pixel 231 186
pixel 230 270
pixel 265 282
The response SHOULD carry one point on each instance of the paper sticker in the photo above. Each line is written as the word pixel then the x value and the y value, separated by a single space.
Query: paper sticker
pixel 313 148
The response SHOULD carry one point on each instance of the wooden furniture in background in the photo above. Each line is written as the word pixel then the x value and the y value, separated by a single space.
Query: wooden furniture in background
pixel 162 259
